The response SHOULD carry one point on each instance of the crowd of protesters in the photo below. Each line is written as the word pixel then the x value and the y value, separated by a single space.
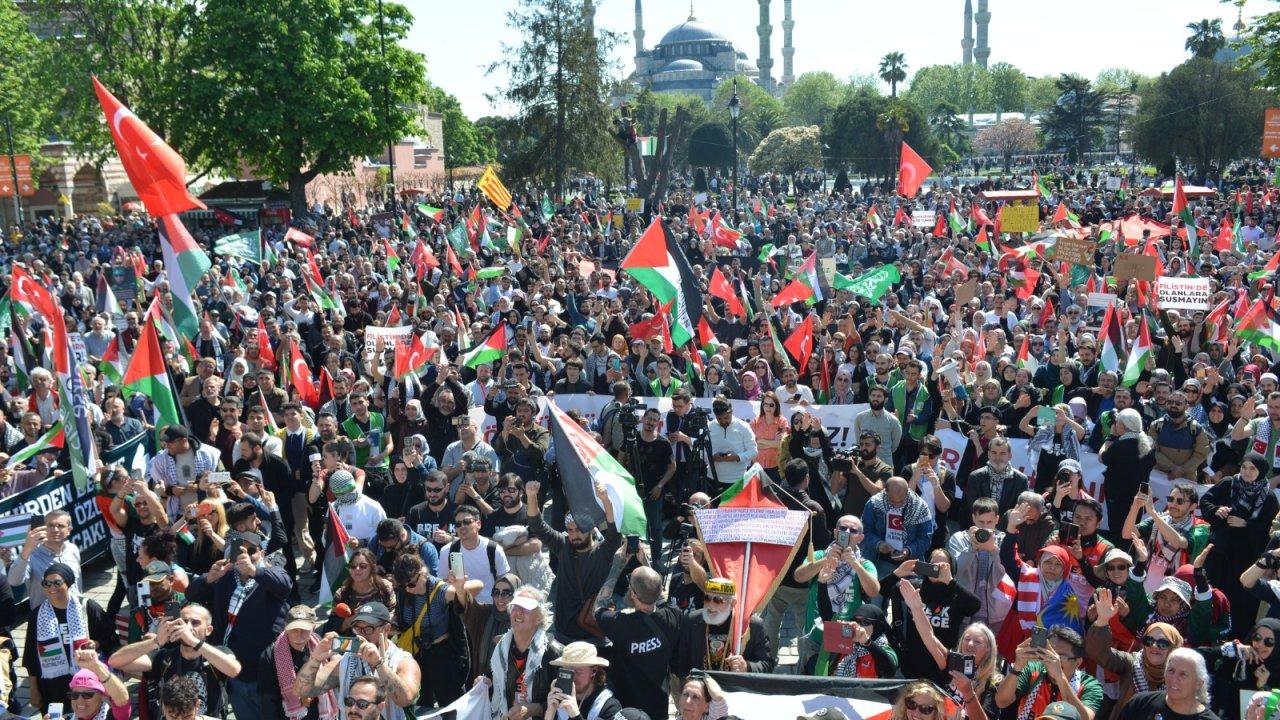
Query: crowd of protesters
pixel 986 580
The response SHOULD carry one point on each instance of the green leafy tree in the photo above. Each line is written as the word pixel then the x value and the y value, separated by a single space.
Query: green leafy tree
pixel 761 112
pixel 506 136
pixel 1225 122
pixel 1262 43
pixel 24 99
pixel 1206 38
pixel 1042 93
pixel 967 87
pixel 1074 124
pixel 1007 138
pixel 557 85
pixel 711 146
pixel 861 81
pixel 1122 80
pixel 788 150
pixel 949 127
pixel 1008 88
pixel 812 97
pixel 693 112
pixel 861 133
pixel 893 70
pixel 464 143
pixel 297 88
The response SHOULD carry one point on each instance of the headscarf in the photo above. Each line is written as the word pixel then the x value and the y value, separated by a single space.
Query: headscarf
pixel 1154 675
pixel 1047 587
pixel 1251 496
pixel 755 393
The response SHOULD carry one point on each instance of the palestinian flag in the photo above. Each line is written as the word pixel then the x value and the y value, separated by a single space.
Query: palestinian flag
pixel 583 463
pixel 1038 183
pixel 23 360
pixel 754 474
pixel 54 438
pixel 707 339
pixel 1267 270
pixel 1138 355
pixel 657 263
pixel 113 361
pixel 1261 326
pixel 147 374
pixel 14 530
pixel 490 350
pixel 1025 359
pixel 982 241
pixel 808 274
pixel 778 349
pixel 869 285
pixel 977 215
pixel 184 264
pixel 106 299
pixel 647 144
pixel 1182 209
pixel 463 328
pixel 393 258
pixel 333 565
pixel 954 219
pixel 873 218
pixel 435 213
pixel 1112 334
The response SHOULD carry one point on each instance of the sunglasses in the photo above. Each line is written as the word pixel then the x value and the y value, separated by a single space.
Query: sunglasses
pixel 920 707
pixel 56 582
pixel 1161 643
pixel 358 703
pixel 361 566
pixel 1116 568
pixel 1175 500
pixel 1266 641
pixel 717 600
pixel 852 530
pixel 82 694
pixel 465 521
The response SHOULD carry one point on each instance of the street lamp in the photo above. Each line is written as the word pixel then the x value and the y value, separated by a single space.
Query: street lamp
pixel 735 109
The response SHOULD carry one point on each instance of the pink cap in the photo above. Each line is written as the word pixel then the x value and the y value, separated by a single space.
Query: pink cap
pixel 87 680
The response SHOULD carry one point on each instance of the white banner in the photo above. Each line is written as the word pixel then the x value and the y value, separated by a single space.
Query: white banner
pixel 753 706
pixel 398 335
pixel 924 218
pixel 771 526
pixel 1177 293
pixel 1099 299
pixel 472 706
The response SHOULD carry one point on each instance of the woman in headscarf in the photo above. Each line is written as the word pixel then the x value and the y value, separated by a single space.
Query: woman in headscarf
pixel 64 623
pixel 1251 665
pixel 1240 510
pixel 486 623
pixel 749 383
pixel 1128 457
pixel 872 656
pixel 712 382
pixel 1127 672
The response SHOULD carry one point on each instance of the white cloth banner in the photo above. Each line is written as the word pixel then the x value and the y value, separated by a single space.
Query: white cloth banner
pixel 752 706
pixel 472 706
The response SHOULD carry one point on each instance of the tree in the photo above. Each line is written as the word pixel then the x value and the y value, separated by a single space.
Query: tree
pixel 893 70
pixel 711 146
pixel 1206 38
pixel 1007 138
pixel 24 99
pixel 505 133
pixel 1223 124
pixel 761 112
pixel 297 88
pixel 967 87
pixel 949 128
pixel 647 106
pixel 557 85
pixel 812 97
pixel 1262 41
pixel 1122 80
pixel 465 144
pixel 856 133
pixel 788 150
pixel 1008 89
pixel 1074 123
pixel 1042 93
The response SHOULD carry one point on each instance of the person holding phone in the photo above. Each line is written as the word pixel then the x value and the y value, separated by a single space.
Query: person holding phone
pixel 429 618
pixel 375 654
pixel 845 580
pixel 972 671
pixel 582 694
pixel 1041 676
pixel 945 604
pixel 94 686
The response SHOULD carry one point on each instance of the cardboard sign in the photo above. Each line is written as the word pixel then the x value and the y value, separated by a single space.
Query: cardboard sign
pixel 1020 218
pixel 1097 299
pixel 1077 251
pixel 966 291
pixel 391 336
pixel 1175 293
pixel 1135 267
pixel 635 204
pixel 924 218
pixel 1113 183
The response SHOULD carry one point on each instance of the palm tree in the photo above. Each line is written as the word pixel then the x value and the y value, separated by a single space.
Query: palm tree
pixel 893 70
pixel 949 127
pixel 1206 38
pixel 894 123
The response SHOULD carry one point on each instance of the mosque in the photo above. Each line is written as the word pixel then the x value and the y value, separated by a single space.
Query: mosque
pixel 692 58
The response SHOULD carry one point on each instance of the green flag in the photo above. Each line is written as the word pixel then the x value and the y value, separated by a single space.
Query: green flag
pixel 869 285
pixel 247 245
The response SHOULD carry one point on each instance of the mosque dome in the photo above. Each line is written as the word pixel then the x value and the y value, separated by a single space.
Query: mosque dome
pixel 691 31
pixel 681 65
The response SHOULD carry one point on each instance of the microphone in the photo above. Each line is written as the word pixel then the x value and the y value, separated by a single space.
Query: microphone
pixel 342 611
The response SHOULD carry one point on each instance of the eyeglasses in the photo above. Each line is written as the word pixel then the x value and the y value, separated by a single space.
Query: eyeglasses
pixel 920 707
pixel 1116 568
pixel 82 694
pixel 1162 643
pixel 56 582
pixel 1266 641
pixel 358 703
pixel 463 522
pixel 364 629
pixel 1174 499
pixel 504 593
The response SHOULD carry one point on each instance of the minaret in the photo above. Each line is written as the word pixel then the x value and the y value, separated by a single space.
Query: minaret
pixel 788 52
pixel 766 62
pixel 639 32
pixel 983 19
pixel 966 43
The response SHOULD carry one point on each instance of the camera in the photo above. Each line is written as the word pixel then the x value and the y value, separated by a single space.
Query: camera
pixel 982 535
pixel 696 422
pixel 627 414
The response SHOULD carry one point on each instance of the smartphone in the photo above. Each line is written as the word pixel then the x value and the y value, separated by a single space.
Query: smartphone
pixel 456 567
pixel 1144 489
pixel 633 544
pixel 1046 416
pixel 220 478
pixel 37 521
pixel 144 593
pixel 927 570
pixel 1039 637
pixel 564 681
pixel 1068 532
pixel 346 644
pixel 963 664
pixel 55 711
pixel 842 538
pixel 315 457
pixel 173 610
pixel 615 364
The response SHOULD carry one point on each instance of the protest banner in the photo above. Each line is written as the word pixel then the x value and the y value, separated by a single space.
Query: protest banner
pixel 397 335
pixel 1179 293
pixel 1135 267
pixel 1097 299
pixel 1077 251
pixel 924 218
pixel 1020 218
pixel 124 284
pixel 966 291
pixel 88 530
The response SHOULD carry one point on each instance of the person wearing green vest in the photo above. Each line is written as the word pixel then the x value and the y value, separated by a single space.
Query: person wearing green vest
pixel 373 444
pixel 845 580
pixel 909 400
pixel 666 383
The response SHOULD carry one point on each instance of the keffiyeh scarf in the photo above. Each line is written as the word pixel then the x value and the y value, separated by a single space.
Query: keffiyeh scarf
pixel 49 629
pixel 294 707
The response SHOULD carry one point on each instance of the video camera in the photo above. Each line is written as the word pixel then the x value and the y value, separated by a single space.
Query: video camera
pixel 627 414
pixel 696 422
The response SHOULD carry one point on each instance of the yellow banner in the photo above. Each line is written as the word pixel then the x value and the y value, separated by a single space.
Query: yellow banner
pixel 493 189
pixel 1020 218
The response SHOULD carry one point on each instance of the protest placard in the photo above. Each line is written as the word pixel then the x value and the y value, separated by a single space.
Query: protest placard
pixel 1135 267
pixel 1175 293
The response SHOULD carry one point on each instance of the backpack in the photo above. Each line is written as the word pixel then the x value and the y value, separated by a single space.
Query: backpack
pixel 490 548
pixel 607 419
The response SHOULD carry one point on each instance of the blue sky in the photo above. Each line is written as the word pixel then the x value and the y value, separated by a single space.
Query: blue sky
pixel 460 38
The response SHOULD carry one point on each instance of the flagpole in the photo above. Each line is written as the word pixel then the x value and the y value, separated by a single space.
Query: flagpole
pixel 742 597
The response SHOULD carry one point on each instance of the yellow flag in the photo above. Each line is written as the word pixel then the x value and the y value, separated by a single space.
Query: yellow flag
pixel 493 189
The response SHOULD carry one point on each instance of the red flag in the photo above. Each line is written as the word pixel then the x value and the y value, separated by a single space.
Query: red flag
pixel 264 346
pixel 300 376
pixel 978 215
pixel 299 238
pixel 900 217
pixel 394 320
pixel 412 355
pixel 1047 313
pixel 800 342
pixel 24 289
pixel 158 174
pixel 1226 235
pixel 648 329
pixel 1060 214
pixel 721 288
pixel 950 265
pixel 698 218
pixel 475 225
pixel 999 219
pixel 940 227
pixel 450 257
pixel 912 172
pixel 979 348
pixel 1030 278
pixel 795 292
pixel 723 235
pixel 326 386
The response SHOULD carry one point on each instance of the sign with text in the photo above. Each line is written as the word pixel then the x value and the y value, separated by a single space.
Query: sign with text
pixel 1174 293
pixel 1135 267
pixel 88 530
pixel 21 183
pixel 1020 218
pixel 1113 183
pixel 771 526
pixel 1097 299
pixel 1077 251
pixel 924 218
pixel 124 284
pixel 1271 133
pixel 397 335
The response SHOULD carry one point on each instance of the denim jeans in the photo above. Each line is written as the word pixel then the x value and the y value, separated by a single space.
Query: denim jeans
pixel 244 699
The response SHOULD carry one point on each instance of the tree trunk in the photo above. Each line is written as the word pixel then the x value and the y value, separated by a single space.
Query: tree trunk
pixel 298 193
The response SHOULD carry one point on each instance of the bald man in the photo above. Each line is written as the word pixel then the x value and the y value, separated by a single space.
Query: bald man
pixel 644 639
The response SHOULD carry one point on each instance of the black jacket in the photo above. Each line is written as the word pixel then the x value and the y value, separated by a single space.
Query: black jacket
pixel 979 485
pixel 691 648
pixel 261 618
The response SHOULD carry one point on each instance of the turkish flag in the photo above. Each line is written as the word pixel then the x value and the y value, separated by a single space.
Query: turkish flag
pixel 800 343
pixel 722 235
pixel 300 238
pixel 412 355
pixel 912 172
pixel 655 326
pixel 300 376
pixel 158 174
pixel 25 289
pixel 264 346
pixel 721 288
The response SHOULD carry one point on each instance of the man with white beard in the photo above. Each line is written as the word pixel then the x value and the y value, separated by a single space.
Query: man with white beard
pixel 706 641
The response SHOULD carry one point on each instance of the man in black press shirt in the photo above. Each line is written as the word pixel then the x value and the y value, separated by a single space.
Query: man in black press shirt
pixel 644 643
pixel 433 518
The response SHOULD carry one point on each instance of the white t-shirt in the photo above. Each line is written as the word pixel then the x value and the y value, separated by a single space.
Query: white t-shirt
pixel 476 562
pixel 361 518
